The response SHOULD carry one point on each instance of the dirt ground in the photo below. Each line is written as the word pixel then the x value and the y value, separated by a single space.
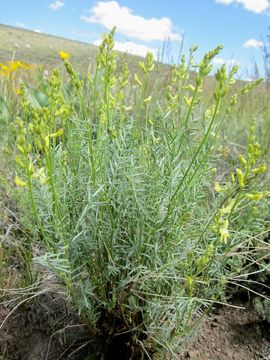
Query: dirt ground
pixel 44 329
pixel 231 334
pixel 47 329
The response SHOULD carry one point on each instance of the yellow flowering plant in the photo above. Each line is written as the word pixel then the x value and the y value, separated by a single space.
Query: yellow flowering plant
pixel 64 55
pixel 9 68
pixel 118 181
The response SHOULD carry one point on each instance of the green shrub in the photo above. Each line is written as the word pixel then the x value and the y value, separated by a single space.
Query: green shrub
pixel 134 217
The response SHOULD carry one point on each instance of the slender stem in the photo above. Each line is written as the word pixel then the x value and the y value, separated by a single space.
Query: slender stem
pixel 194 158
pixel 34 208
pixel 56 206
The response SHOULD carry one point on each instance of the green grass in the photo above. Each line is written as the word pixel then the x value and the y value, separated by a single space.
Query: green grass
pixel 145 199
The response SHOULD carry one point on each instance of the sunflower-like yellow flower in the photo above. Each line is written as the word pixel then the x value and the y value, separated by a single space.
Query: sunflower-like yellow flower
pixel 11 67
pixel 63 55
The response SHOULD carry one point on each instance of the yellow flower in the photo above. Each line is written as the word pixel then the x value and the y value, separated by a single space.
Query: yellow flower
pixel 148 100
pixel 11 67
pixel 254 197
pixel 187 100
pixel 218 188
pixel 243 160
pixel 137 80
pixel 41 176
pixel 259 170
pixel 224 232
pixel 63 55
pixel 31 168
pixel 227 209
pixel 24 65
pixel 56 134
pixel 19 182
pixel 4 70
pixel 45 142
pixel 19 161
pixel 127 108
pixel 21 149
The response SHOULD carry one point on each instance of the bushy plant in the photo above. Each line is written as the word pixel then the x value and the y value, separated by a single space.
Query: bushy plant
pixel 135 216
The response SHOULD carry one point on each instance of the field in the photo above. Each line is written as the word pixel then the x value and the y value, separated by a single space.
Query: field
pixel 135 205
pixel 40 48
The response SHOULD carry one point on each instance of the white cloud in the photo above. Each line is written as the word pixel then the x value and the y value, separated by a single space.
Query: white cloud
pixel 221 61
pixel 38 31
pixel 256 6
pixel 218 61
pixel 131 48
pixel 56 5
pixel 110 14
pixel 253 43
pixel 20 25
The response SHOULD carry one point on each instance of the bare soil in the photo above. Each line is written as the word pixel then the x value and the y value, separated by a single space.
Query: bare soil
pixel 44 329
pixel 48 329
pixel 231 334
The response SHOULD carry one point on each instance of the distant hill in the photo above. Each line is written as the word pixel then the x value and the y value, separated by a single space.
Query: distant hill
pixel 40 48
pixel 36 47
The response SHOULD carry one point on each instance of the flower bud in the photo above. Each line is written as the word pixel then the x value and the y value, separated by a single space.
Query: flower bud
pixel 137 80
pixel 19 161
pixel 259 170
pixel 240 177
pixel 243 160
pixel 56 134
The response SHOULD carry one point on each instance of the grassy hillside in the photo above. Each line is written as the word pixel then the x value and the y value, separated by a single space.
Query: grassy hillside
pixel 33 47
pixel 42 48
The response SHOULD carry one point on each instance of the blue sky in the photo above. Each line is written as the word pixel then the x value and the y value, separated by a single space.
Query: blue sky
pixel 239 25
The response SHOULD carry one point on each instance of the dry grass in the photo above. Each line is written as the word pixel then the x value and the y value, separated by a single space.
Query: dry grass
pixel 41 48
